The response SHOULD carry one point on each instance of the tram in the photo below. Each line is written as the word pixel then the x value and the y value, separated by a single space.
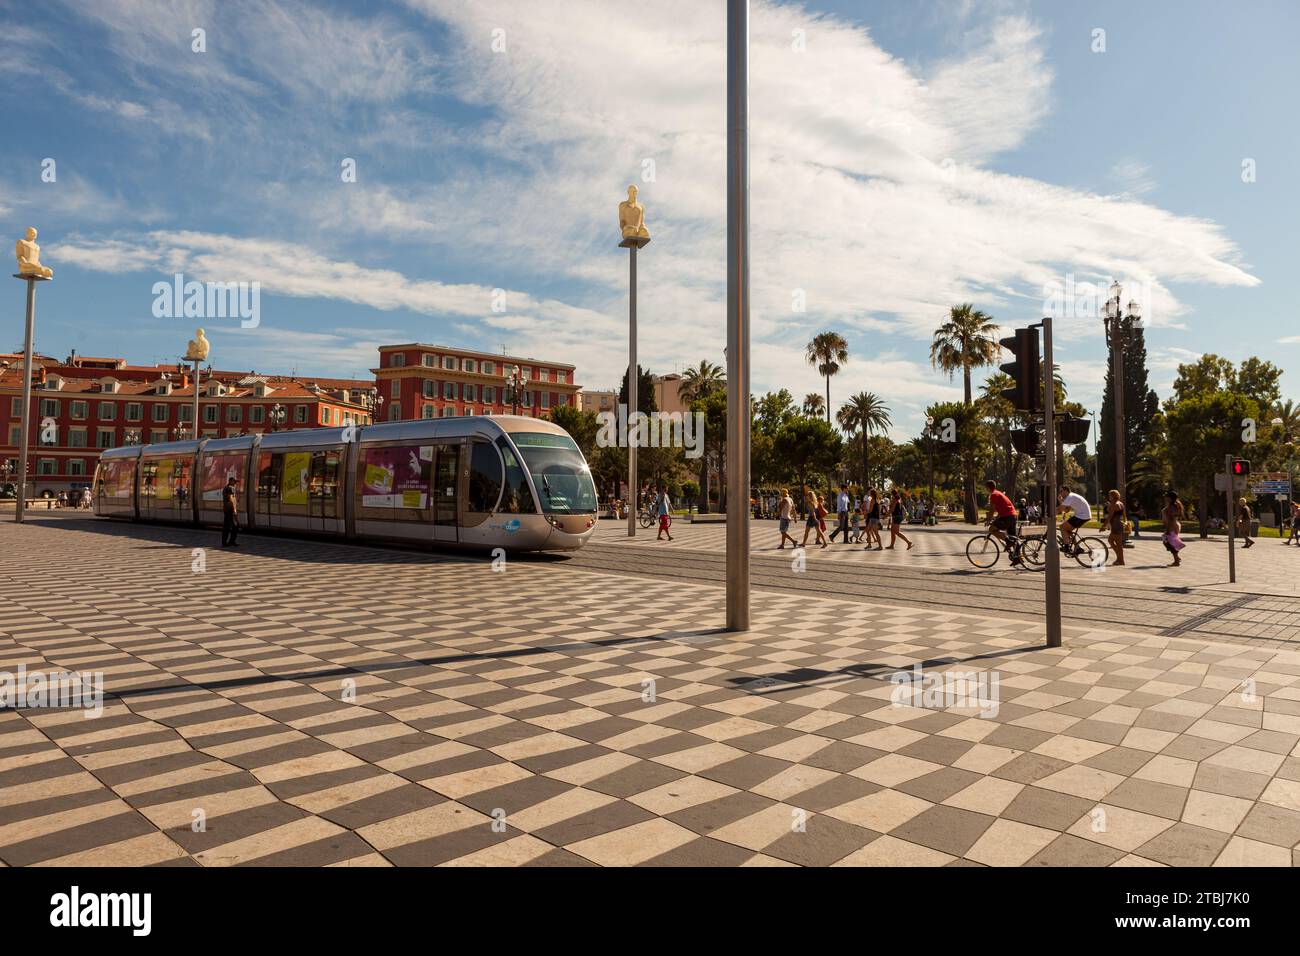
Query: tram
pixel 477 482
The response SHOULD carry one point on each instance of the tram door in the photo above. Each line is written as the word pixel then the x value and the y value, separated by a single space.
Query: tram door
pixel 323 488
pixel 446 493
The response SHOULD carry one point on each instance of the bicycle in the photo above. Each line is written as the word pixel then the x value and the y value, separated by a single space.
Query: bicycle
pixel 983 550
pixel 648 518
pixel 1089 552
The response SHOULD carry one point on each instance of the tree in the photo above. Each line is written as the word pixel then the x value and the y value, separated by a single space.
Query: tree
pixel 809 445
pixel 697 384
pixel 645 391
pixel 964 342
pixel 865 414
pixel 827 351
pixel 963 446
pixel 1203 429
pixel 1004 417
pixel 813 404
pixel 581 426
pixel 1140 407
pixel 773 410
pixel 700 381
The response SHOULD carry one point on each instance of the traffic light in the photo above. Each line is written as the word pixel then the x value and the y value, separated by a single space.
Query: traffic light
pixel 1240 468
pixel 1025 371
pixel 1025 440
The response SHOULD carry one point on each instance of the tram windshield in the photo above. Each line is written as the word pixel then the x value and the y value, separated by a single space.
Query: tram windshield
pixel 561 477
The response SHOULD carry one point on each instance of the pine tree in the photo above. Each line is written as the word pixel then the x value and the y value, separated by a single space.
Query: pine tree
pixel 1140 407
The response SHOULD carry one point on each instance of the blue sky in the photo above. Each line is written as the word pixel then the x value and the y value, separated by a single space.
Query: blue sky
pixel 909 156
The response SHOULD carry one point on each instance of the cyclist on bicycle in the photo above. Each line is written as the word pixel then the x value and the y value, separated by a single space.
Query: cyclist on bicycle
pixel 1001 518
pixel 1080 514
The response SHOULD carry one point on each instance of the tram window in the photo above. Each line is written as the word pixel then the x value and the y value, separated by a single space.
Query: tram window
pixel 268 477
pixel 518 495
pixel 484 478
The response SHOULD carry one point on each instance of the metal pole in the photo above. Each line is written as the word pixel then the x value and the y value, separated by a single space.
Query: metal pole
pixel 1231 515
pixel 196 399
pixel 21 504
pixel 738 411
pixel 633 374
pixel 1053 568
pixel 1121 472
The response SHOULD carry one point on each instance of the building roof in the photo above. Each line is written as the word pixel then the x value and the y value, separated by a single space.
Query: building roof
pixel 473 353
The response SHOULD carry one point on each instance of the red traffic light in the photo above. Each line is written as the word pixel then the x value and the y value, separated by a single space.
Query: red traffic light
pixel 1240 467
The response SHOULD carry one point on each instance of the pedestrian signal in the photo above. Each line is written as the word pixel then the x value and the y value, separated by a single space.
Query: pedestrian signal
pixel 1240 468
pixel 1025 371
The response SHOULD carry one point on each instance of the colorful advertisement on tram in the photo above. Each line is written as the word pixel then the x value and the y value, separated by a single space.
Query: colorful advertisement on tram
pixel 396 476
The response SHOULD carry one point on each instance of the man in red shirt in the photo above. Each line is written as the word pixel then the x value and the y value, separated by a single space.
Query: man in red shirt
pixel 1001 517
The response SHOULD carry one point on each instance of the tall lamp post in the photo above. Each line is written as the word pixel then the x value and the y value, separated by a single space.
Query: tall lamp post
pixel 738 398
pixel 1118 329
pixel 30 270
pixel 631 222
pixel 929 434
pixel 277 415
pixel 517 381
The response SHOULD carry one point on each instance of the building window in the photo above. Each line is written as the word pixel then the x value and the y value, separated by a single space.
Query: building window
pixel 487 368
pixel 160 412
pixel 397 360
pixel 76 438
pixel 544 374
pixel 426 411
pixel 234 414
pixel 449 390
pixel 257 414
pixel 49 407
pixel 448 411
pixel 16 407
pixel 394 413
pixel 104 438
pixel 184 413
pixel 396 390
pixel 528 399
pixel 134 412
pixel 489 394
pixel 429 360
pixel 157 437
pixel 449 362
pixel 469 392
pixel 430 388
pixel 210 415
pixel 15 435
pixel 79 410
pixel 469 365
pixel 300 414
pixel 76 466
pixel 107 411
pixel 546 399
pixel 47 466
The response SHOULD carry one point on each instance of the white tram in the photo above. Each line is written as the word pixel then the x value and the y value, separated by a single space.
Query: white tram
pixel 484 482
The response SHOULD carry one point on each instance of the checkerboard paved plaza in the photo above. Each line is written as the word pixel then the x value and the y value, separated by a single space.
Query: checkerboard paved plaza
pixel 550 716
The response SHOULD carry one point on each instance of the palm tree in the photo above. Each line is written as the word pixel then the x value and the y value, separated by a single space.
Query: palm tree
pixel 965 341
pixel 697 384
pixel 1004 417
pixel 864 413
pixel 700 382
pixel 813 404
pixel 828 351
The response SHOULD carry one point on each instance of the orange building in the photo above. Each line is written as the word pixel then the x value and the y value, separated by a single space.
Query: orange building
pixel 82 406
pixel 435 381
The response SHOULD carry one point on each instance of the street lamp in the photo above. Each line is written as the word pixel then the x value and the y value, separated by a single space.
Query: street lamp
pixel 131 436
pixel 929 434
pixel 277 415
pixel 1119 327
pixel 517 381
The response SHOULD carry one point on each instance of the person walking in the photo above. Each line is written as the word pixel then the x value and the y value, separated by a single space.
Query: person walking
pixel 229 512
pixel 896 522
pixel 1113 521
pixel 1172 516
pixel 664 512
pixel 821 521
pixel 784 512
pixel 1244 518
pixel 841 516
pixel 871 510
pixel 810 516
pixel 1295 522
